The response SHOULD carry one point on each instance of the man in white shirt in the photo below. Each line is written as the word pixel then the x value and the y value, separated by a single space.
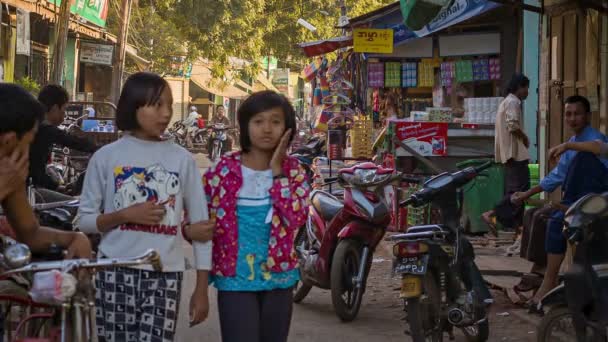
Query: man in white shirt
pixel 189 124
pixel 511 150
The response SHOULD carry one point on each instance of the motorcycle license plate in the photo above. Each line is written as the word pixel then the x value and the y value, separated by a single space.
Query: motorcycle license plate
pixel 411 265
pixel 411 287
pixel 180 131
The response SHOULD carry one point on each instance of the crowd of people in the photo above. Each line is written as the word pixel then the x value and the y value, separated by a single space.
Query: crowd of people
pixel 241 215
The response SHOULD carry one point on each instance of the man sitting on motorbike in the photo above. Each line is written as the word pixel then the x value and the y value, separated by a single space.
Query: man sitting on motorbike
pixel 54 99
pixel 20 117
pixel 220 118
pixel 190 124
pixel 578 174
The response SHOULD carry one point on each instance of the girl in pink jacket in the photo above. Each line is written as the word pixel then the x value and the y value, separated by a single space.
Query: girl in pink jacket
pixel 259 198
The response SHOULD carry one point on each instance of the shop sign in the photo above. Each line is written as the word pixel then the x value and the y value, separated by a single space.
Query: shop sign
pixel 96 53
pixel 373 40
pixel 280 80
pixel 94 11
pixel 23 32
pixel 426 138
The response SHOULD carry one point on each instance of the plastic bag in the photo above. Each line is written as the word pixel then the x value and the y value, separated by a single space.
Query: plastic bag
pixel 53 287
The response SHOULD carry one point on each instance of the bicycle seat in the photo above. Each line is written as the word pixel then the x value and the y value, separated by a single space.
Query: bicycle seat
pixel 326 204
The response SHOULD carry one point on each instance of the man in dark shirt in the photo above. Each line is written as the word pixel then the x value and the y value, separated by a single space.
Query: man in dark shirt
pixel 55 99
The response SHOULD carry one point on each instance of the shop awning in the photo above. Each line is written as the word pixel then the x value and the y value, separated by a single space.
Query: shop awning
pixel 390 17
pixel 262 83
pixel 202 77
pixel 321 47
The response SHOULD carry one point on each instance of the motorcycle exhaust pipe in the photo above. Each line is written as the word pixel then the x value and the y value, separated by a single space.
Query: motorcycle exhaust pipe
pixel 456 316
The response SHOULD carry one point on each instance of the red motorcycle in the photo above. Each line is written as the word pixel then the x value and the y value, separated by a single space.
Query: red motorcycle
pixel 337 244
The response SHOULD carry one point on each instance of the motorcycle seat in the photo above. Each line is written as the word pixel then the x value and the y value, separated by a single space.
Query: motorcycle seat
pixel 326 204
pixel 428 228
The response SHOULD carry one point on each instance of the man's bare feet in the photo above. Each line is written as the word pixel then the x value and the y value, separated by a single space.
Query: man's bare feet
pixel 489 218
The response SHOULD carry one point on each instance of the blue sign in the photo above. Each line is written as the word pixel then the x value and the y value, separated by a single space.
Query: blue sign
pixel 460 11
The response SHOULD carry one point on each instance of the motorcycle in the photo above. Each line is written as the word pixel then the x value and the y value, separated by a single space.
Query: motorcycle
pixel 441 285
pixel 218 137
pixel 335 248
pixel 67 168
pixel 578 308
pixel 306 153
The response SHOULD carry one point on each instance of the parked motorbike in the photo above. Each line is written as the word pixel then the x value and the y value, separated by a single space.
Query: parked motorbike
pixel 441 285
pixel 306 153
pixel 336 246
pixel 578 308
pixel 67 168
pixel 219 138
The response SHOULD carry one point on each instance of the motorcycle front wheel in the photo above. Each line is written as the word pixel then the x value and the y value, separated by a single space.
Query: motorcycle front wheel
pixel 424 313
pixel 301 289
pixel 216 151
pixel 345 296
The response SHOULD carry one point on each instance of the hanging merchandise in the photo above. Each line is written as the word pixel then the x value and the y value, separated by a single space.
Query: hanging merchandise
pixel 362 137
pixel 324 84
pixel 426 75
pixel 392 75
pixel 317 97
pixel 494 68
pixel 409 75
pixel 447 73
pixel 310 71
pixel 481 70
pixel 464 71
pixel 375 75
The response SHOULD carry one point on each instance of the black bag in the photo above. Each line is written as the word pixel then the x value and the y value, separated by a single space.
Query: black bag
pixel 533 235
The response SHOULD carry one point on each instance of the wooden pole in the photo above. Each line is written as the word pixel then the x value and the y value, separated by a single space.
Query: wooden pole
pixel 121 50
pixel 61 40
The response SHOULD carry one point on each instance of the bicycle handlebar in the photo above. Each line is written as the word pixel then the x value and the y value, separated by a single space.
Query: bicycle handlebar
pixel 151 257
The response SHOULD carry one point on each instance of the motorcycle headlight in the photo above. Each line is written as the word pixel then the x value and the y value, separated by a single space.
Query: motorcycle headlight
pixel 594 205
pixel 365 175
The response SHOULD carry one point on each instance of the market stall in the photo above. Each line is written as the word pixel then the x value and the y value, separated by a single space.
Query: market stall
pixel 450 77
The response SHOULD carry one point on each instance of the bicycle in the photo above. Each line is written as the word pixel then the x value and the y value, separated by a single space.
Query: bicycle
pixel 80 305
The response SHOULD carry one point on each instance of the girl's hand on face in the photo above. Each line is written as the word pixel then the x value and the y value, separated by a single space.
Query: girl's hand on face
pixel 147 213
pixel 276 163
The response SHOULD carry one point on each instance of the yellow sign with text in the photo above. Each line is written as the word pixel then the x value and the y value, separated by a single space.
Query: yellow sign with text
pixel 373 40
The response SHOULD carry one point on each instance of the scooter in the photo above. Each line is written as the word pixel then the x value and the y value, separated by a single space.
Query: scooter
pixel 218 138
pixel 578 308
pixel 336 246
pixel 306 154
pixel 441 286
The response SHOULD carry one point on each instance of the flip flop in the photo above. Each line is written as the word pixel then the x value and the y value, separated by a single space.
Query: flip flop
pixel 491 224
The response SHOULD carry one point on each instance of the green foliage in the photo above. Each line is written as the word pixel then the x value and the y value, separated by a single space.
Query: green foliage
pixel 29 84
pixel 220 29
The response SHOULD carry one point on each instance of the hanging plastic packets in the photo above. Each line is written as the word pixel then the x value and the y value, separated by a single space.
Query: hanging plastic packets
pixel 426 75
pixel 392 75
pixel 464 71
pixel 375 75
pixel 481 70
pixel 494 68
pixel 409 75
pixel 324 85
pixel 447 73
pixel 317 97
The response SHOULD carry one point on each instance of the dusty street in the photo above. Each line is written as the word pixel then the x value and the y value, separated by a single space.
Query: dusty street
pixel 380 318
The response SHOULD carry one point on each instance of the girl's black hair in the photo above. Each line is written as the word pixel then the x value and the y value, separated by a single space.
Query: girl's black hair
pixel 517 81
pixel 141 89
pixel 261 102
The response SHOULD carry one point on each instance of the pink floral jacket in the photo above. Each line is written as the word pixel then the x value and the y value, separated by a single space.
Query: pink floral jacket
pixel 290 208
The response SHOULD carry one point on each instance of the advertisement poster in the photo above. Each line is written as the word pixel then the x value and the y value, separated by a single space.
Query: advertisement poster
pixel 23 32
pixel 280 79
pixel 427 138
pixel 93 11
